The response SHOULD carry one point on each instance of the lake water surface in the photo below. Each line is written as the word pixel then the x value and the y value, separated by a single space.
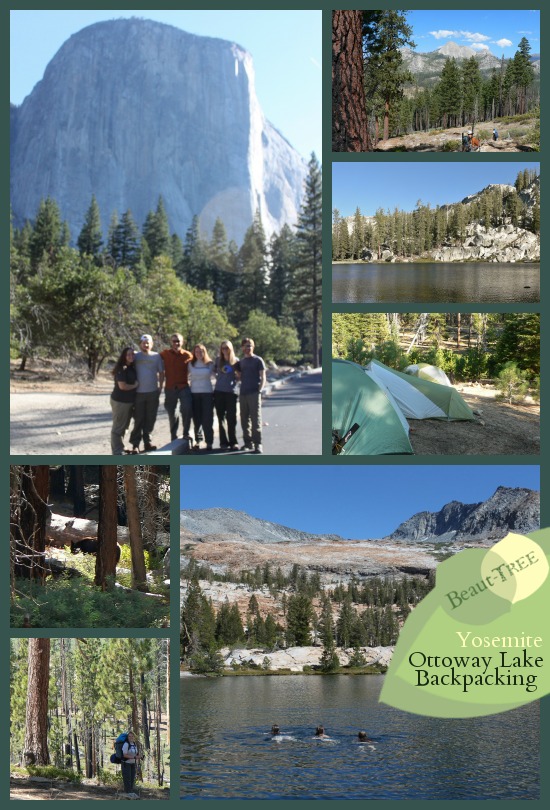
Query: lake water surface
pixel 425 282
pixel 227 752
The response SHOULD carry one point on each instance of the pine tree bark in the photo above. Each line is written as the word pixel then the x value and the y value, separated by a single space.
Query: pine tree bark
pixel 349 113
pixel 29 520
pixel 139 577
pixel 151 504
pixel 107 525
pixel 36 721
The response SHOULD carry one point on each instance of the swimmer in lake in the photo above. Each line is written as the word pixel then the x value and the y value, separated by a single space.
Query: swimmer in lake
pixel 362 737
pixel 320 733
pixel 275 730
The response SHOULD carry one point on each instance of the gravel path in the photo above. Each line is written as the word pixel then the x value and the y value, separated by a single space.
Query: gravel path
pixel 60 423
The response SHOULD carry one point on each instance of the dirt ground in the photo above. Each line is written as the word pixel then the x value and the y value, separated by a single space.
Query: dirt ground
pixel 39 788
pixel 499 429
pixel 435 141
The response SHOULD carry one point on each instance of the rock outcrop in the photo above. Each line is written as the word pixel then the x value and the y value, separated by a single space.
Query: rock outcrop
pixel 506 243
pixel 131 109
pixel 509 509
pixel 296 658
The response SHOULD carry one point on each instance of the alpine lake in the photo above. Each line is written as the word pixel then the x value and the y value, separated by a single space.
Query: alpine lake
pixel 227 751
pixel 449 282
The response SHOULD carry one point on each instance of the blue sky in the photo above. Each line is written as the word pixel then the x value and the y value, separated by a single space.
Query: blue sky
pixel 355 501
pixel 285 45
pixel 389 185
pixel 496 31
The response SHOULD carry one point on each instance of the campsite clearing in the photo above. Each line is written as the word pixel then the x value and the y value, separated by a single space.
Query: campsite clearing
pixel 499 429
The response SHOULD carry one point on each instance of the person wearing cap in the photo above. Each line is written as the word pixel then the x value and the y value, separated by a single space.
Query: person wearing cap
pixel 150 377
pixel 252 373
pixel 176 385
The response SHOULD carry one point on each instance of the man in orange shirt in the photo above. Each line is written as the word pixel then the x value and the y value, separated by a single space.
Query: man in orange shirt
pixel 176 385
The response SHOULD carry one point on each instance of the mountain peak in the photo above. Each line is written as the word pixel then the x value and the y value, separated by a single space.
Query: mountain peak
pixel 457 51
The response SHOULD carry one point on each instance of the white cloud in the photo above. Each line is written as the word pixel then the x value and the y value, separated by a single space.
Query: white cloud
pixel 480 46
pixel 474 37
pixel 442 34
pixel 503 43
pixel 469 36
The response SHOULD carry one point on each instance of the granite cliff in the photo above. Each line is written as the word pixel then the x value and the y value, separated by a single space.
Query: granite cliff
pixel 131 109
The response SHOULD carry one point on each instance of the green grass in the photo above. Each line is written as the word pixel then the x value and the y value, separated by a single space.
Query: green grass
pixel 76 603
pixel 47 772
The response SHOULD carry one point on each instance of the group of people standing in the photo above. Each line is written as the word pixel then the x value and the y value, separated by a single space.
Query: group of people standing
pixel 194 386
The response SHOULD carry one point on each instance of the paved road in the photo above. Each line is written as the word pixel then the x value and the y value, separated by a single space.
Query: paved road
pixel 79 424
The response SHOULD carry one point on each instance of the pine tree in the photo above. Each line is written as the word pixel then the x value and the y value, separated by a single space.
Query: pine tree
pixel 384 34
pixel 46 234
pixel 307 281
pixel 299 616
pixel 449 91
pixel 282 251
pixel 156 231
pixel 349 115
pixel 90 238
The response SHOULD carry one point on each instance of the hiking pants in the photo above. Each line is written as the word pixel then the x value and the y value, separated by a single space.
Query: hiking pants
pixel 171 399
pixel 145 416
pixel 128 776
pixel 251 418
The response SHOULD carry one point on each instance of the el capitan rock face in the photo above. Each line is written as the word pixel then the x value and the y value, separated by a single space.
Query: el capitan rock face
pixel 132 109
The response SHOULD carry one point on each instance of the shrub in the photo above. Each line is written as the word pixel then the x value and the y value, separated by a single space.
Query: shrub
pixel 511 383
pixel 451 146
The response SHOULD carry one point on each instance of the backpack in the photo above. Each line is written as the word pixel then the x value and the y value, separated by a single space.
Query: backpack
pixel 117 757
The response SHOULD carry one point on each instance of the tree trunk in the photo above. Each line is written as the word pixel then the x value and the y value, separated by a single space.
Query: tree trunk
pixel 386 119
pixel 75 490
pixel 29 520
pixel 107 525
pixel 159 717
pixel 139 578
pixel 151 507
pixel 349 113
pixel 36 719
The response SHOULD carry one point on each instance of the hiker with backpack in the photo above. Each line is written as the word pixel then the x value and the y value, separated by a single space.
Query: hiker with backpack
pixel 127 755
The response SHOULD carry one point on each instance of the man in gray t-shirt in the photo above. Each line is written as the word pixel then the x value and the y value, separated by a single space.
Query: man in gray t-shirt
pixel 150 375
pixel 252 373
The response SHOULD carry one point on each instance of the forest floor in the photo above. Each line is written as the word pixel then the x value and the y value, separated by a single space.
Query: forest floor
pixel 39 788
pixel 499 429
pixel 514 137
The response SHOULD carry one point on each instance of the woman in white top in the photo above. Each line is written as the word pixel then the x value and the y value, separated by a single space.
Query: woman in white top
pixel 201 370
pixel 130 756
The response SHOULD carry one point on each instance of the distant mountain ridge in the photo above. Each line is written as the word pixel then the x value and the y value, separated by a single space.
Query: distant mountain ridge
pixel 509 509
pixel 427 67
pixel 235 523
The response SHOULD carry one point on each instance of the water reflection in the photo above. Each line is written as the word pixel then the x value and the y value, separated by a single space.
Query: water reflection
pixel 423 282
pixel 228 752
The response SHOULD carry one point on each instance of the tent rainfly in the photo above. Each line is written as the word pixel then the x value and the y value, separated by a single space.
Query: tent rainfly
pixel 359 399
pixel 419 398
pixel 427 372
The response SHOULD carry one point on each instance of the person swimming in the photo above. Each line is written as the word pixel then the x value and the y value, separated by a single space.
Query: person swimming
pixel 320 733
pixel 362 737
pixel 275 729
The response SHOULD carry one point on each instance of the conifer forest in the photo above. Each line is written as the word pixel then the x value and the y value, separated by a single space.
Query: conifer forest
pixel 83 296
pixel 89 546
pixel 71 697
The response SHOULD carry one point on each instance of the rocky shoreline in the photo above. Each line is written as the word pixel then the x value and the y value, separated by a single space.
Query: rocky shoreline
pixel 295 660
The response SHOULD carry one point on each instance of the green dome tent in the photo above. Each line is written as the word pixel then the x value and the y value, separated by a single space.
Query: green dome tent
pixel 445 401
pixel 358 399
pixel 427 372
